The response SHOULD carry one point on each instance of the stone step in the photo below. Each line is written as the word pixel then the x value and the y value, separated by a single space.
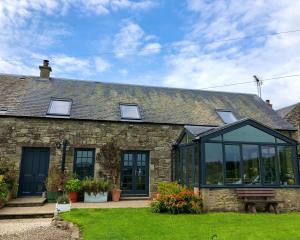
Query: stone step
pixel 26 202
pixel 130 198
pixel 45 211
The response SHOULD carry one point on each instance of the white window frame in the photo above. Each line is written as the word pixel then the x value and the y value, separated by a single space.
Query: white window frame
pixel 128 105
pixel 59 100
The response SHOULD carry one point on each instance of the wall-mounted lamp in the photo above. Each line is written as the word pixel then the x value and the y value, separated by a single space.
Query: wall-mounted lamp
pixel 58 145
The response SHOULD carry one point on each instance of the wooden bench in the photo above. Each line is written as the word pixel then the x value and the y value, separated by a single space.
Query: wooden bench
pixel 253 196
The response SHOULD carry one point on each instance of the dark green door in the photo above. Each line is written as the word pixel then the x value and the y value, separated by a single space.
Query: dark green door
pixel 135 173
pixel 34 171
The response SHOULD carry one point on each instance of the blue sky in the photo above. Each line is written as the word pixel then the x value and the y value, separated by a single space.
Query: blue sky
pixel 173 43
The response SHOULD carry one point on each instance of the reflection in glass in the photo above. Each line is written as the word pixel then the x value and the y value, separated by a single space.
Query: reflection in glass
pixel 287 175
pixel 269 164
pixel 251 174
pixel 214 163
pixel 233 161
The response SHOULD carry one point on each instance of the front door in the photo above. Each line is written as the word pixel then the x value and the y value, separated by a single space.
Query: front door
pixel 135 173
pixel 34 171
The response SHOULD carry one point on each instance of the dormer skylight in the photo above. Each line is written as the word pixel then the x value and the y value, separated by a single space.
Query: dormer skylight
pixel 130 111
pixel 59 107
pixel 226 116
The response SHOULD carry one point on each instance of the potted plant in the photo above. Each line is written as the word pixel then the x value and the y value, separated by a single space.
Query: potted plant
pixel 63 204
pixel 72 187
pixel 95 190
pixel 53 184
pixel 111 156
pixel 3 191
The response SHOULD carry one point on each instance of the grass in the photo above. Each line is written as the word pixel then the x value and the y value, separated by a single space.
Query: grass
pixel 131 223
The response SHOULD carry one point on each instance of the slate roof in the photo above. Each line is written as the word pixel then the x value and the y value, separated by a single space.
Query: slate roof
pixel 286 110
pixel 30 96
pixel 197 130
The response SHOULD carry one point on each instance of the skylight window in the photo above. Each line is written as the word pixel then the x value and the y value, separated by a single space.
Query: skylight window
pixel 227 116
pixel 130 111
pixel 59 107
pixel 3 110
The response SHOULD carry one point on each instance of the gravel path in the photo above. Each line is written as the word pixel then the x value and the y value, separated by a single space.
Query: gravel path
pixel 31 229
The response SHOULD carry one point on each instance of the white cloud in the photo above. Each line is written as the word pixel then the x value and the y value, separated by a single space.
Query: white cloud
pixel 101 65
pixel 202 60
pixel 131 40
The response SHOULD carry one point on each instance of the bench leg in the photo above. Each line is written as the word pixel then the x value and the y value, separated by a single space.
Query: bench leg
pixel 250 207
pixel 275 206
pixel 268 208
pixel 253 208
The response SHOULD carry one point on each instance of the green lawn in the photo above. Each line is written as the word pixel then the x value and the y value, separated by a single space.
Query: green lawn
pixel 143 224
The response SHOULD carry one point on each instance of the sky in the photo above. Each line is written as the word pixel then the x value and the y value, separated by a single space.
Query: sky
pixel 195 44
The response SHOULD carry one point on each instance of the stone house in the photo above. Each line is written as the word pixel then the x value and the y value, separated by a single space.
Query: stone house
pixel 292 115
pixel 215 141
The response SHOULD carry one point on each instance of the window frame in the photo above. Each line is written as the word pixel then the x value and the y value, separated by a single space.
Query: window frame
pixel 93 159
pixel 218 111
pixel 59 100
pixel 128 105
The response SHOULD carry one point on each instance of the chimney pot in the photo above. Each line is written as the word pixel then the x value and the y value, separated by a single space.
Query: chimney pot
pixel 45 69
pixel 268 102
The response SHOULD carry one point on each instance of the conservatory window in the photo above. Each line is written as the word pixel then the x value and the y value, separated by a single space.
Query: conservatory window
pixel 232 164
pixel 214 163
pixel 269 164
pixel 287 175
pixel 251 169
pixel 248 134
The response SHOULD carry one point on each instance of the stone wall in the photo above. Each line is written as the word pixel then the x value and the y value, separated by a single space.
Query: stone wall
pixel 16 133
pixel 294 118
pixel 226 199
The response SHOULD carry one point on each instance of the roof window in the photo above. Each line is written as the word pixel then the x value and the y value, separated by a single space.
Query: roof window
pixel 59 107
pixel 3 110
pixel 130 111
pixel 226 116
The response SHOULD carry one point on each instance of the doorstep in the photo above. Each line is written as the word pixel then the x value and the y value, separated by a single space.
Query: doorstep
pixel 45 211
pixel 26 202
pixel 120 204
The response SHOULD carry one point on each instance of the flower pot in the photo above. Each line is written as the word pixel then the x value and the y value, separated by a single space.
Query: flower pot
pixel 73 196
pixel 116 193
pixel 98 198
pixel 52 196
pixel 63 207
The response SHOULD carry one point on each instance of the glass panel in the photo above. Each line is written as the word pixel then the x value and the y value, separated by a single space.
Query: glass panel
pixel 184 139
pixel 233 162
pixel 217 138
pixel 280 141
pixel 251 164
pixel 287 175
pixel 183 161
pixel 130 111
pixel 213 163
pixel 127 183
pixel 140 185
pixel 227 116
pixel 197 161
pixel 59 107
pixel 248 134
pixel 269 164
pixel 189 166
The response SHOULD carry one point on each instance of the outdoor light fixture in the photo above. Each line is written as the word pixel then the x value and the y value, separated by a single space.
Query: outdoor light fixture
pixel 58 145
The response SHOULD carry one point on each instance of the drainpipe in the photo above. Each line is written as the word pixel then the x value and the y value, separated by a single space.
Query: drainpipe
pixel 63 157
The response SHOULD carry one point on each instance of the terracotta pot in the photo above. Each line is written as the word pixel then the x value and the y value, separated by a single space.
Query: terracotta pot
pixel 73 196
pixel 116 193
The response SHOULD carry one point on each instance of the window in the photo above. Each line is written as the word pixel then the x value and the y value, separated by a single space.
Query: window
pixel 269 164
pixel 3 110
pixel 251 167
pixel 287 175
pixel 248 134
pixel 233 161
pixel 84 163
pixel 227 116
pixel 130 111
pixel 59 107
pixel 213 163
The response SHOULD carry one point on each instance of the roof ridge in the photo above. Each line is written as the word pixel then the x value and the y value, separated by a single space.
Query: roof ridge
pixel 129 84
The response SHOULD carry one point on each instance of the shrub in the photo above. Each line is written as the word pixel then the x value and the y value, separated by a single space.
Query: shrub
pixel 63 199
pixel 95 186
pixel 3 189
pixel 73 185
pixel 176 199
pixel 9 173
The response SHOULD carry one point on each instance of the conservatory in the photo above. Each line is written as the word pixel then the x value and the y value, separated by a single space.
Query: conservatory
pixel 244 153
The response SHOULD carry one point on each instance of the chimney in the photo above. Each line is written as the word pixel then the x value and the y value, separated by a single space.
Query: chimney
pixel 268 102
pixel 45 69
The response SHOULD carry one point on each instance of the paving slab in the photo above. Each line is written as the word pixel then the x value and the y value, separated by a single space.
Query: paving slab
pixel 120 204
pixel 26 202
